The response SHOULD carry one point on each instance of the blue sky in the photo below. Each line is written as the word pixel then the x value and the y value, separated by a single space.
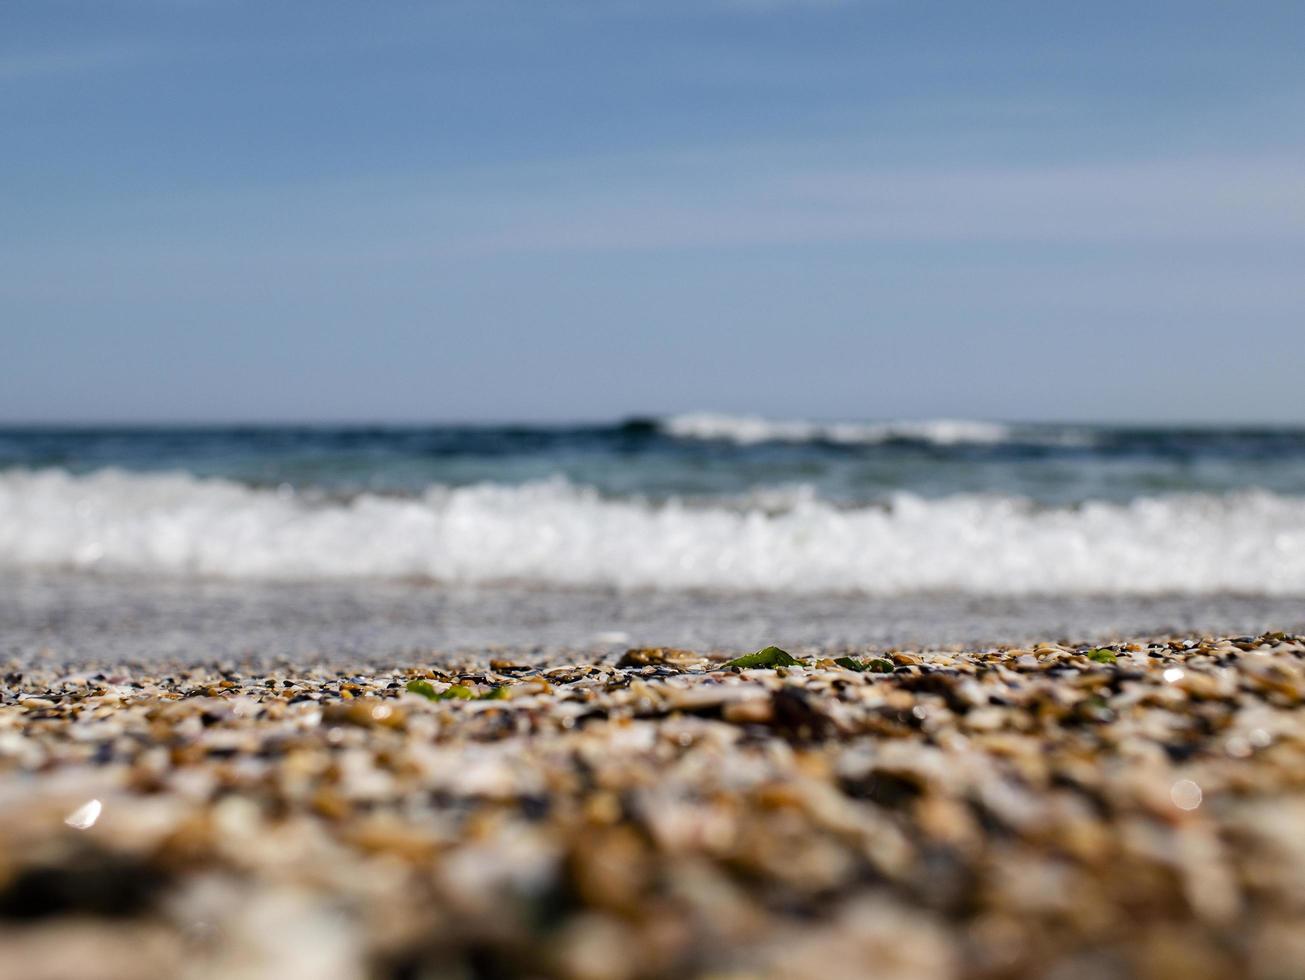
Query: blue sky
pixel 544 209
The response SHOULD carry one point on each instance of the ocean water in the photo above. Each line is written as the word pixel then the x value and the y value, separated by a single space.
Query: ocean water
pixel 697 520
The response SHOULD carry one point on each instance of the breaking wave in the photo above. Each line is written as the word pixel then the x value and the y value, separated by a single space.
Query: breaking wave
pixel 553 533
pixel 753 429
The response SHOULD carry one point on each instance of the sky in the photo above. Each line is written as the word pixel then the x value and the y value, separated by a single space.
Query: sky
pixel 579 209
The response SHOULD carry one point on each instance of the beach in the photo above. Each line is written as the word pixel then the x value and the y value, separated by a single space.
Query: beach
pixel 1015 701
pixel 1042 810
pixel 651 490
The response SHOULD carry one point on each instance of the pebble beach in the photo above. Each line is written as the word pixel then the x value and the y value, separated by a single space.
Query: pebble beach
pixel 652 490
pixel 1051 810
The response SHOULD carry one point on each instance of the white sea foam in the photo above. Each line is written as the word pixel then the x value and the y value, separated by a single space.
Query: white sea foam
pixel 752 429
pixel 553 533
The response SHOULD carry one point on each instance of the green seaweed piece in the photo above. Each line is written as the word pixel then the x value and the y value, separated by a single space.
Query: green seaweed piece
pixel 770 657
pixel 497 693
pixel 423 688
pixel 1101 655
pixel 429 693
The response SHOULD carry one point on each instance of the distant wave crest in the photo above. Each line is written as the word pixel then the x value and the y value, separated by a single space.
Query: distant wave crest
pixel 753 429
pixel 553 533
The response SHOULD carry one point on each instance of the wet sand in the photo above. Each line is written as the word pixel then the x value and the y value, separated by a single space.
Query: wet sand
pixel 60 617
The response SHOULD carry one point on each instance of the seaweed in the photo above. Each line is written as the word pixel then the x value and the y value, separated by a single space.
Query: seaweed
pixel 1101 655
pixel 423 688
pixel 458 691
pixel 769 657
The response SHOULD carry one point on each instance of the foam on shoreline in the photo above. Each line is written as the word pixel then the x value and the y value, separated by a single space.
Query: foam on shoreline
pixel 553 533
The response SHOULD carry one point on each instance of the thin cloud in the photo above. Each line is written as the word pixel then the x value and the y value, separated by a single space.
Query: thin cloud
pixel 1204 200
pixel 729 200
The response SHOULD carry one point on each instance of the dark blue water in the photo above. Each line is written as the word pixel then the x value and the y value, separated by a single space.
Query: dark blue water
pixel 1047 463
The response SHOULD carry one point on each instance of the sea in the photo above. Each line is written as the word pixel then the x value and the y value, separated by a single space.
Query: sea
pixel 375 541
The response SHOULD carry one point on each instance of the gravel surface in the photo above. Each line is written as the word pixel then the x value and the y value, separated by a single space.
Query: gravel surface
pixel 1044 811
